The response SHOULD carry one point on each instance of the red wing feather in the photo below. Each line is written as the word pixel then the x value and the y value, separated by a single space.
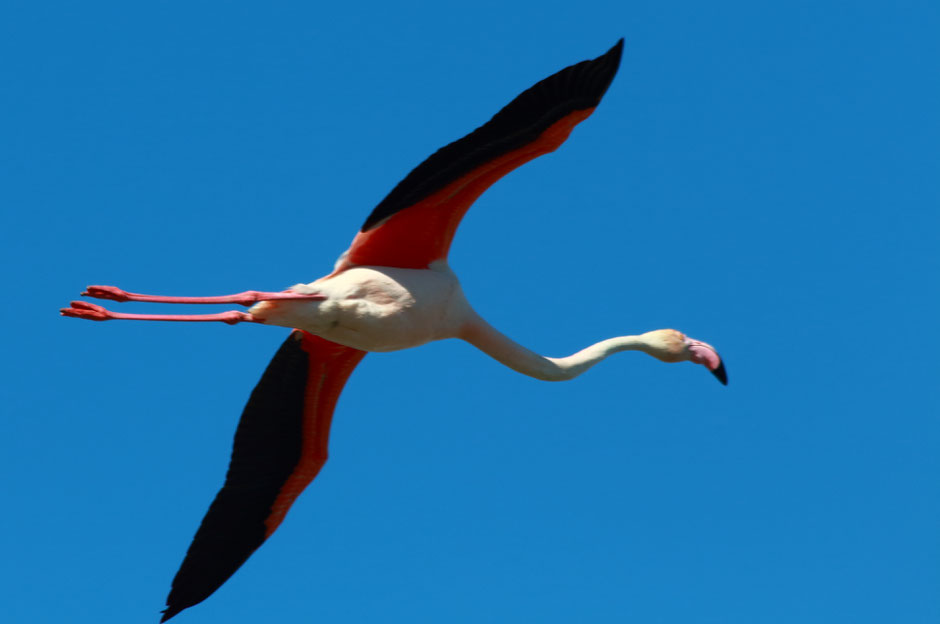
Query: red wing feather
pixel 416 237
pixel 415 224
pixel 330 365
pixel 280 446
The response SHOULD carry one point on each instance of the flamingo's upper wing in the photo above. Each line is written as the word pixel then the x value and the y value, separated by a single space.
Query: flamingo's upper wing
pixel 415 224
pixel 280 446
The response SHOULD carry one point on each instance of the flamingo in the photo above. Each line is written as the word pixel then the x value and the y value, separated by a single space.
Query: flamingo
pixel 392 289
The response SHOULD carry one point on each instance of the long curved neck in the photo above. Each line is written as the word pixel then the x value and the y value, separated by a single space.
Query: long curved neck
pixel 487 339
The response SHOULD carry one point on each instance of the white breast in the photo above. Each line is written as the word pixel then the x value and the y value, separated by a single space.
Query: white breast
pixel 376 308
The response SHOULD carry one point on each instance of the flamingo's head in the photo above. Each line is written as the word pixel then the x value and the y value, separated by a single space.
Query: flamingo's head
pixel 670 345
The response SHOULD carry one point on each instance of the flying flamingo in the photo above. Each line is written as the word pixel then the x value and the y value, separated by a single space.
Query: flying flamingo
pixel 392 289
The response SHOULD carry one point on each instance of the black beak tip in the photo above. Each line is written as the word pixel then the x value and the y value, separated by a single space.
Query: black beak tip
pixel 721 374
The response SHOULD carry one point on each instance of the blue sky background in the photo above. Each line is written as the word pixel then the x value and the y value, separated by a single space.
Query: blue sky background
pixel 763 176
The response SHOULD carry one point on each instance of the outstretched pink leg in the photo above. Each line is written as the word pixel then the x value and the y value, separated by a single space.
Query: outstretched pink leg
pixel 92 312
pixel 247 298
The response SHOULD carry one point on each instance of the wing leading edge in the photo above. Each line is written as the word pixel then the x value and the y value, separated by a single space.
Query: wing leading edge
pixel 280 446
pixel 415 224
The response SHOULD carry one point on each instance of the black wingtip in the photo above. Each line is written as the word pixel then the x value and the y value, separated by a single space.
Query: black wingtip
pixel 721 374
pixel 604 68
pixel 613 57
pixel 616 51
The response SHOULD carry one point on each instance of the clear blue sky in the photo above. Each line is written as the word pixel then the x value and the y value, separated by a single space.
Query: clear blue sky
pixel 763 176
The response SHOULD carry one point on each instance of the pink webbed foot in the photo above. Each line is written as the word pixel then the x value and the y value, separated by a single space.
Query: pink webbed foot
pixel 106 292
pixel 85 310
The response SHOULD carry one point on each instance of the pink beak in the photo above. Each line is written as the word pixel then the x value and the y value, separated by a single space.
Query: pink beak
pixel 705 354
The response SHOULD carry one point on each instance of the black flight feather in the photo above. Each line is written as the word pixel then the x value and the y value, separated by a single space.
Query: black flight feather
pixel 519 123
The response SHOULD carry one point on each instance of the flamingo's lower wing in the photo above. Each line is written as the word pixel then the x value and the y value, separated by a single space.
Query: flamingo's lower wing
pixel 415 224
pixel 280 446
